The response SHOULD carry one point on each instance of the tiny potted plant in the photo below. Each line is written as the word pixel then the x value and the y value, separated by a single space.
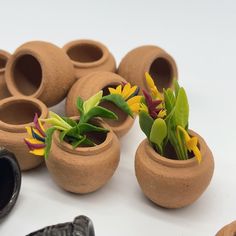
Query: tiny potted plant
pixel 174 164
pixel 82 153
pixel 228 230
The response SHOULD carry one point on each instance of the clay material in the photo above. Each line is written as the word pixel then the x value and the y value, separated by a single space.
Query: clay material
pixel 84 169
pixel 173 183
pixel 90 85
pixel 228 230
pixel 4 56
pixel 15 114
pixel 152 59
pixel 40 70
pixel 89 56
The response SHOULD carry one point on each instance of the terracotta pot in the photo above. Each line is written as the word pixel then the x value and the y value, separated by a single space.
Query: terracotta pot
pixel 90 85
pixel 228 230
pixel 173 183
pixel 152 59
pixel 84 169
pixel 10 183
pixel 15 114
pixel 89 56
pixel 40 70
pixel 4 56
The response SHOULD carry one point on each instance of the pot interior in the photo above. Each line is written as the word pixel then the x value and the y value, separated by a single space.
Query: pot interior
pixel 85 53
pixel 3 62
pixel 162 73
pixel 27 74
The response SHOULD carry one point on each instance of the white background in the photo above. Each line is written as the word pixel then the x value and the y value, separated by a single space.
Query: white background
pixel 201 36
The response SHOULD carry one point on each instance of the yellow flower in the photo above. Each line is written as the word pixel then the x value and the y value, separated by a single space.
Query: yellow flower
pixel 152 87
pixel 134 103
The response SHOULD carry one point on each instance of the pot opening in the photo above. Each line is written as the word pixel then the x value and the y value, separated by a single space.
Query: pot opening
pixel 3 62
pixel 6 183
pixel 162 73
pixel 85 53
pixel 27 74
pixel 18 112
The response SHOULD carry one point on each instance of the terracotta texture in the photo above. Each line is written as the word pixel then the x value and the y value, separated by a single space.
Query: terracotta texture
pixel 89 56
pixel 84 169
pixel 4 56
pixel 152 59
pixel 15 114
pixel 228 230
pixel 90 85
pixel 40 70
pixel 173 183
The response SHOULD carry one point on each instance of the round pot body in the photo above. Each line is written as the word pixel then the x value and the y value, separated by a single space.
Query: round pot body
pixel 84 169
pixel 173 183
pixel 89 56
pixel 228 230
pixel 4 56
pixel 152 59
pixel 91 84
pixel 15 114
pixel 40 70
pixel 10 183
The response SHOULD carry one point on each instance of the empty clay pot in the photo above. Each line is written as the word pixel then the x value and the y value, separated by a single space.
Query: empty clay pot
pixel 4 56
pixel 228 230
pixel 84 169
pixel 89 56
pixel 90 85
pixel 173 183
pixel 10 176
pixel 40 70
pixel 152 59
pixel 15 114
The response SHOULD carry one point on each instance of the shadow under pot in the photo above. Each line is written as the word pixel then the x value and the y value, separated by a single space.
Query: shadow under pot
pixel 4 56
pixel 173 183
pixel 89 56
pixel 15 114
pixel 160 65
pixel 91 84
pixel 84 169
pixel 10 183
pixel 228 230
pixel 40 70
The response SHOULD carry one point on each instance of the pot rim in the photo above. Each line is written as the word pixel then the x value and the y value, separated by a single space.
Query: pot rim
pixel 4 55
pixel 102 47
pixel 21 128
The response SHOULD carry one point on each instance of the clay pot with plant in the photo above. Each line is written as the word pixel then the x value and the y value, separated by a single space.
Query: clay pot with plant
pixel 103 81
pixel 40 70
pixel 228 230
pixel 160 65
pixel 89 56
pixel 173 165
pixel 15 114
pixel 82 153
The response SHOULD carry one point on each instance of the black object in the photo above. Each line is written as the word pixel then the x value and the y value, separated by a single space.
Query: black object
pixel 10 181
pixel 81 226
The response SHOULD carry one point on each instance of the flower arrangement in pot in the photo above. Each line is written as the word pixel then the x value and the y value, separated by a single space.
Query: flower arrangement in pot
pixel 81 153
pixel 174 164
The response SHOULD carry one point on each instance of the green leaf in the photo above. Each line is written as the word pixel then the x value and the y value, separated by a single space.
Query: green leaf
pixel 176 84
pixel 79 105
pixel 74 132
pixel 76 143
pixel 88 142
pixel 92 101
pixel 48 140
pixel 62 135
pixel 85 128
pixel 169 98
pixel 71 122
pixel 145 122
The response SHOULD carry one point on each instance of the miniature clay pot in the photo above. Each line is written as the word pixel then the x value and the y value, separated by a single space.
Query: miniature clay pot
pixel 89 56
pixel 152 59
pixel 10 183
pixel 228 230
pixel 81 226
pixel 15 114
pixel 172 183
pixel 40 70
pixel 84 169
pixel 4 56
pixel 91 84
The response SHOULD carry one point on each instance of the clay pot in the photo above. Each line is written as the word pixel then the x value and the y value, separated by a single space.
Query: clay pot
pixel 15 114
pixel 10 183
pixel 90 85
pixel 40 70
pixel 89 56
pixel 84 169
pixel 173 183
pixel 152 59
pixel 4 56
pixel 228 230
